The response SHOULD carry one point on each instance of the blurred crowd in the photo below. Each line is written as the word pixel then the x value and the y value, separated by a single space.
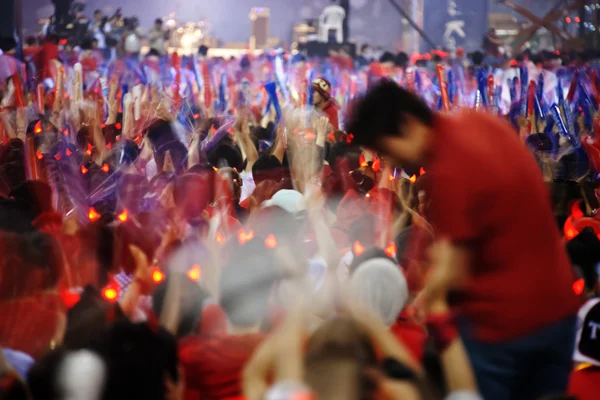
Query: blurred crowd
pixel 283 227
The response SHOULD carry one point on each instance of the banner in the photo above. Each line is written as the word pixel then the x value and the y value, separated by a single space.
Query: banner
pixel 456 23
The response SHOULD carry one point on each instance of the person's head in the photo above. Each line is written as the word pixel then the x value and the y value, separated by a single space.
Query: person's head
pixel 322 91
pixel 584 252
pixel 98 15
pixel 142 363
pixel 394 122
pixel 267 167
pixel 202 51
pixel 380 286
pixel 387 58
pixel 246 283
pixel 94 44
pixel 158 23
pixel 339 351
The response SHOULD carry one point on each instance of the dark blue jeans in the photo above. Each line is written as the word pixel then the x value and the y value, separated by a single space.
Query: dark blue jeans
pixel 528 367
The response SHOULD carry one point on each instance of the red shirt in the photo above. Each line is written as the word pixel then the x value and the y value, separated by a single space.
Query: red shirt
pixel 331 110
pixel 411 334
pixel 213 366
pixel 487 193
pixel 585 384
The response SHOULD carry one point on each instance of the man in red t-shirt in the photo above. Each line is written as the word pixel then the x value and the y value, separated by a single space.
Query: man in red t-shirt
pixel 323 101
pixel 487 196
pixel 213 363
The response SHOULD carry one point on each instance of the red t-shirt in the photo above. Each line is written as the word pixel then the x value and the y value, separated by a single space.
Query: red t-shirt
pixel 411 334
pixel 487 193
pixel 585 384
pixel 331 110
pixel 213 366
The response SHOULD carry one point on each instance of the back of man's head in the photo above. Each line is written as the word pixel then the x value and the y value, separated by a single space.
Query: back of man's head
pixel 382 112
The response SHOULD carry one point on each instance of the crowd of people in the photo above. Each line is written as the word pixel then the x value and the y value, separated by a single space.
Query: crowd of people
pixel 281 227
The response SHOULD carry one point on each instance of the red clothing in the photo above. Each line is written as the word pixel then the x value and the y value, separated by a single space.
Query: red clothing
pixel 487 193
pixel 331 110
pixel 411 334
pixel 44 58
pixel 213 366
pixel 30 324
pixel 585 384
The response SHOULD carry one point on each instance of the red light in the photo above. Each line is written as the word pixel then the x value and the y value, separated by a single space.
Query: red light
pixel 271 242
pixel 376 164
pixel 105 168
pixel 244 237
pixel 69 153
pixel 38 128
pixel 110 293
pixel 577 19
pixel 157 275
pixel 39 155
pixel 412 179
pixel 568 19
pixel 93 214
pixel 124 216
pixel 84 170
pixel 69 298
pixel 195 273
pixel 57 156
pixel 391 177
pixel 390 250
pixel 118 126
pixel 219 238
pixel 196 116
pixel 576 212
pixel 362 161
pixel 358 248
pixel 578 286
pixel 569 229
pixel 422 172
pixel 66 132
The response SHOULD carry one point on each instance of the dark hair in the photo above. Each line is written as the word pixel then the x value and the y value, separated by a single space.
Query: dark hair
pixel 153 53
pixel 402 59
pixel 382 111
pixel 477 58
pixel 139 358
pixel 226 155
pixel 158 21
pixel 42 376
pixel 386 57
pixel 267 168
pixel 203 50
pixel 584 252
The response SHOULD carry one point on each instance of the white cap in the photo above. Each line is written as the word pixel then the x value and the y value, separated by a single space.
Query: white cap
pixel 289 200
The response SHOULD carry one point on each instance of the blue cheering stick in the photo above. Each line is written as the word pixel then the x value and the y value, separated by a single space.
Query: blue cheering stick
pixel 562 128
pixel 524 88
pixel 418 81
pixel 271 89
pixel 280 76
pixel 512 89
pixel 482 85
pixel 540 94
pixel 451 82
pixel 539 112
pixel 223 93
pixel 309 89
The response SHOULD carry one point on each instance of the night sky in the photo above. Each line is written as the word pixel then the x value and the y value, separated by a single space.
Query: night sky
pixel 373 21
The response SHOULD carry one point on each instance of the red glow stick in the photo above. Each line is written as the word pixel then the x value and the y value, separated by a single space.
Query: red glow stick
pixel 443 87
pixel 207 87
pixel 176 85
pixel 19 98
pixel 572 88
pixel 491 84
pixel 40 98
